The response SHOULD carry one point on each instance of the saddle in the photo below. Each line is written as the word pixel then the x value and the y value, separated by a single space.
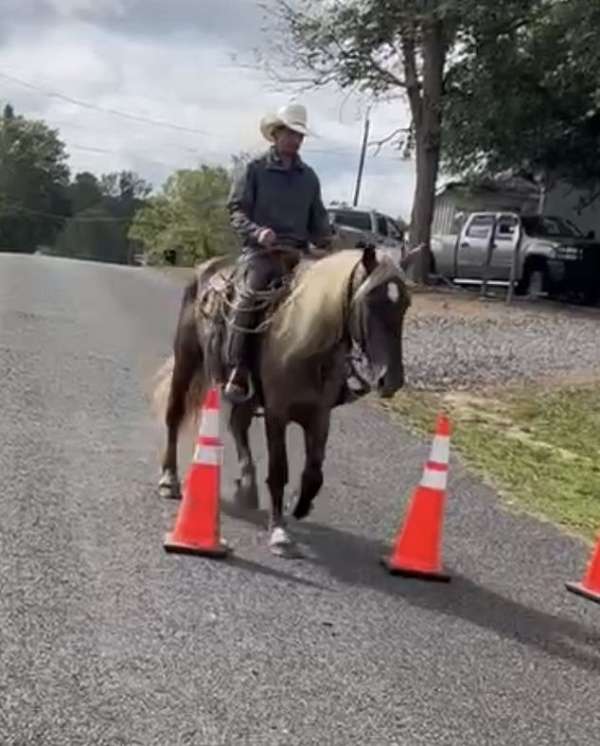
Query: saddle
pixel 215 300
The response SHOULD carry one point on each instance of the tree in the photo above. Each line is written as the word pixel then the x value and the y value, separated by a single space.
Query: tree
pixel 189 216
pixel 388 48
pixel 124 186
pixel 103 210
pixel 84 192
pixel 529 100
pixel 33 182
pixel 94 234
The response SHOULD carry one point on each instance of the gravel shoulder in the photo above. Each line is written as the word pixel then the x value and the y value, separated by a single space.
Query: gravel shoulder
pixel 454 341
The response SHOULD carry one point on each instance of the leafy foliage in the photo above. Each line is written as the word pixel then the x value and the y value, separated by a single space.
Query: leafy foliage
pixel 529 100
pixel 103 210
pixel 189 216
pixel 33 181
pixel 84 192
pixel 96 235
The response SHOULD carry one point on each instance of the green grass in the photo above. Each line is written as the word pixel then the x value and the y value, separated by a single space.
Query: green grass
pixel 540 450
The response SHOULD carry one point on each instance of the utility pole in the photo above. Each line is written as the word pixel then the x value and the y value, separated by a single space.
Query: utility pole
pixel 363 151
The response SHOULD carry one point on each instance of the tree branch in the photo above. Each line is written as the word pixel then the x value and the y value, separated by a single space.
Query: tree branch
pixel 380 143
pixel 388 75
pixel 584 202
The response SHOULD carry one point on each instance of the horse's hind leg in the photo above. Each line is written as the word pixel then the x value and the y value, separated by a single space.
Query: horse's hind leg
pixel 188 365
pixel 246 494
pixel 316 432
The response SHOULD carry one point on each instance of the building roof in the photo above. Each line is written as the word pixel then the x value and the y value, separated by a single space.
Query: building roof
pixel 505 182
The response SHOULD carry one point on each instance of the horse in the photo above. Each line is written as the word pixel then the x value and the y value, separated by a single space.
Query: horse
pixel 341 316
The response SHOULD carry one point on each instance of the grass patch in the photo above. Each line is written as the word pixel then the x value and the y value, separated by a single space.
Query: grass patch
pixel 540 450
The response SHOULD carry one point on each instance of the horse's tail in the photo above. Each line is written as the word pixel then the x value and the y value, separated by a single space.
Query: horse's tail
pixel 164 376
pixel 161 388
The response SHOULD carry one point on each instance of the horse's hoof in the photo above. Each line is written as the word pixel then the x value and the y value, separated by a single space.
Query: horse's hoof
pixel 281 544
pixel 169 488
pixel 301 508
pixel 246 495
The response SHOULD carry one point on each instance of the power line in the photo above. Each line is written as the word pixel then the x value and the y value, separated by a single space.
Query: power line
pixel 95 107
pixel 16 209
pixel 336 150
pixel 102 151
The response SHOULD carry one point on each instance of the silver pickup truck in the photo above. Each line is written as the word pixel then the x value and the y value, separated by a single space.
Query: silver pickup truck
pixel 539 254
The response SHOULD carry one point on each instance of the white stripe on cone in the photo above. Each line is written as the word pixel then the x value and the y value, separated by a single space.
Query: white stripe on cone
pixel 211 423
pixel 434 479
pixel 440 450
pixel 211 455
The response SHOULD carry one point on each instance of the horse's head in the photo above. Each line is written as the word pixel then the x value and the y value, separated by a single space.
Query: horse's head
pixel 380 299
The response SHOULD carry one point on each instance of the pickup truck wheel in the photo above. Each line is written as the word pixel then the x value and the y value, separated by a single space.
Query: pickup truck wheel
pixel 431 265
pixel 536 281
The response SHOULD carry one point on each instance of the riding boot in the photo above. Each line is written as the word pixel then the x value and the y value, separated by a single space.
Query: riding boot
pixel 238 387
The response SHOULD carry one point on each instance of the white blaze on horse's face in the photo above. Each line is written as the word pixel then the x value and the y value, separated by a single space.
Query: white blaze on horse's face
pixel 393 292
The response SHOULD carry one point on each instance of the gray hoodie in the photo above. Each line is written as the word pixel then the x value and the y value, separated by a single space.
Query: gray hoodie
pixel 268 195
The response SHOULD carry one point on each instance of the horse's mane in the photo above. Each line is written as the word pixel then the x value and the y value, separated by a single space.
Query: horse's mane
pixel 311 320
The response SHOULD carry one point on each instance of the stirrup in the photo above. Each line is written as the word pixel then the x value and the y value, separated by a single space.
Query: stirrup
pixel 241 399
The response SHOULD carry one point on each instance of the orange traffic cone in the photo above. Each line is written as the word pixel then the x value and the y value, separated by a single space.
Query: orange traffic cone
pixel 416 551
pixel 590 585
pixel 196 529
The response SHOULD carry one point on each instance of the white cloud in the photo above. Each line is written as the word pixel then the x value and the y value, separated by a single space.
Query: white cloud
pixel 186 79
pixel 74 8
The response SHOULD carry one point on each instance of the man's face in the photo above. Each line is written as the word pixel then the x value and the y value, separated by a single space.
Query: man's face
pixel 287 141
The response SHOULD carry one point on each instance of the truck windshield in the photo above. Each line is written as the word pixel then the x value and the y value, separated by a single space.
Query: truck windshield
pixel 549 227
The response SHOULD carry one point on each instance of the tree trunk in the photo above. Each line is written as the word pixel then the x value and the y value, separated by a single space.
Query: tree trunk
pixel 426 111
pixel 423 206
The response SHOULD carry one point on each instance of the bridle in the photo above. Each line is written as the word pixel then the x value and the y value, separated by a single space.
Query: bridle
pixel 356 346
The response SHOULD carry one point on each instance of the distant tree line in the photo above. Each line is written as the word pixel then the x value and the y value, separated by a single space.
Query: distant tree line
pixel 111 217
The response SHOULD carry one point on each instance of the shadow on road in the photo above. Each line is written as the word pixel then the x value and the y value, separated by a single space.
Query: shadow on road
pixel 259 569
pixel 354 560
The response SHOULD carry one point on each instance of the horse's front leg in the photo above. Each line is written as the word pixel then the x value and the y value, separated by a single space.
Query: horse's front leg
pixel 246 494
pixel 280 541
pixel 316 432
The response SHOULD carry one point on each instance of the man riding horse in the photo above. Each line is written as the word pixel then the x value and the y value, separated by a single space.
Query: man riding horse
pixel 275 204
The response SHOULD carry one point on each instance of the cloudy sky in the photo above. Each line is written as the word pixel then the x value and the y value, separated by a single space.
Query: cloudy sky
pixel 171 62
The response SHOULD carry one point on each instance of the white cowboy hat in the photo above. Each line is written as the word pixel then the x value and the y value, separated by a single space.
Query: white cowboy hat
pixel 292 116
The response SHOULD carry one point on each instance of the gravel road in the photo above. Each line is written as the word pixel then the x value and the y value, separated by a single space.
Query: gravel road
pixel 460 343
pixel 106 639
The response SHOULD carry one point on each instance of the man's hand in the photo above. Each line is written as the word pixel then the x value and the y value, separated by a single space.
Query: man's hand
pixel 266 237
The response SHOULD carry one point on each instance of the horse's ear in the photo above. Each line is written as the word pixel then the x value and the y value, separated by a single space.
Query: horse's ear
pixel 369 258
